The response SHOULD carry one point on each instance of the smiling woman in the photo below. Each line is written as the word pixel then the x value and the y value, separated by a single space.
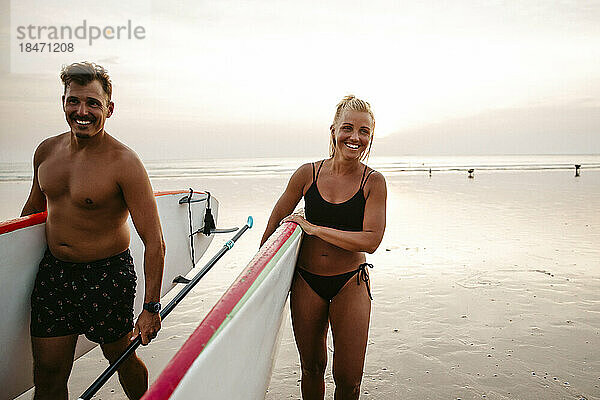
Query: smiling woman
pixel 345 218
pixel 353 115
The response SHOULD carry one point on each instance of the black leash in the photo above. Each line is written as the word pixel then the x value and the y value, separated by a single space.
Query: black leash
pixel 189 202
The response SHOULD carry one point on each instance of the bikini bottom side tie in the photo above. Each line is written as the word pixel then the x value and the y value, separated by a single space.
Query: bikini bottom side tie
pixel 364 276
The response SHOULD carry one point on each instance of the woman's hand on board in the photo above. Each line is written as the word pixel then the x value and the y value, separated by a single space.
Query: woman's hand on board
pixel 297 218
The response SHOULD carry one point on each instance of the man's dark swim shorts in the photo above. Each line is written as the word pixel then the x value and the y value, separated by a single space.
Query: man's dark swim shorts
pixel 95 298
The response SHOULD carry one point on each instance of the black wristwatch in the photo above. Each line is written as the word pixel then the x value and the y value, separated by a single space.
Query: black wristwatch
pixel 152 307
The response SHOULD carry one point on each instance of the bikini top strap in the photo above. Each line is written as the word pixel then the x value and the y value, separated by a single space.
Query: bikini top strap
pixel 319 170
pixel 364 180
pixel 363 176
pixel 313 165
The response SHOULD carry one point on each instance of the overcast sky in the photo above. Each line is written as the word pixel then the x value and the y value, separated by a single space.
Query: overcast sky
pixel 261 78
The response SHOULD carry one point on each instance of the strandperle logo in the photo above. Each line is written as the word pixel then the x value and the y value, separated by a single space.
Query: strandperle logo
pixel 84 31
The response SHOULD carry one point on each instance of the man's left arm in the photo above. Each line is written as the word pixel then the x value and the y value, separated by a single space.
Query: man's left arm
pixel 137 192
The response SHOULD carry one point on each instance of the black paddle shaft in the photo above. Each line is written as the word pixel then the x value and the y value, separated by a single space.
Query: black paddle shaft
pixel 105 376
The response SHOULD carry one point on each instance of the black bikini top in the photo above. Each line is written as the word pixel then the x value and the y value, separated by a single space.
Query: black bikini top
pixel 346 216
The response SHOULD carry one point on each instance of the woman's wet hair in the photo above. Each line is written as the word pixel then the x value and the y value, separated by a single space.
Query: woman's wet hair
pixel 351 102
pixel 84 73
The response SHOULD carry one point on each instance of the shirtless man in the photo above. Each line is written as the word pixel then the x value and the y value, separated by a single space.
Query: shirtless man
pixel 90 182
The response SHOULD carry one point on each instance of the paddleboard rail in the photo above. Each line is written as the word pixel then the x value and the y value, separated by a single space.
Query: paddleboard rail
pixel 39 218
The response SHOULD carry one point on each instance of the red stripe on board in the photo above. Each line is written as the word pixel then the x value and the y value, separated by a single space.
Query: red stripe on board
pixel 23 222
pixel 167 192
pixel 34 219
pixel 174 372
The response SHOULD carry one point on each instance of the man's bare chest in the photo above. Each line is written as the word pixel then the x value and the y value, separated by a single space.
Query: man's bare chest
pixel 85 183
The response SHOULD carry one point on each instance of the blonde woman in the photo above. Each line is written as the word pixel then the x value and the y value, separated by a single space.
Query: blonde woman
pixel 345 204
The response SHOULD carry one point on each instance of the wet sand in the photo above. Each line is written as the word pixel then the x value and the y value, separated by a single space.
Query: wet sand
pixel 484 288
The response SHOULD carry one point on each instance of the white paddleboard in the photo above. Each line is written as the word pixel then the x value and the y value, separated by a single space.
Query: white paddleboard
pixel 22 245
pixel 231 353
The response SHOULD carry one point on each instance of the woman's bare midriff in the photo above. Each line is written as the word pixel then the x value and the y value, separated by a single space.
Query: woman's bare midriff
pixel 322 258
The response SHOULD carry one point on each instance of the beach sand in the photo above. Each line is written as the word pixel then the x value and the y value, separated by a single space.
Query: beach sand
pixel 484 288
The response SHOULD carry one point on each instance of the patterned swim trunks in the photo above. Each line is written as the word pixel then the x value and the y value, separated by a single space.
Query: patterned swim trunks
pixel 94 298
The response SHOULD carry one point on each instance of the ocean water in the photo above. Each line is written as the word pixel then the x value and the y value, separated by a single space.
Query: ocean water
pixel 15 178
pixel 18 172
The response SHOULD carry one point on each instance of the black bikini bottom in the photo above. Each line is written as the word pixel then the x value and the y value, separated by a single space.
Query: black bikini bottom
pixel 328 286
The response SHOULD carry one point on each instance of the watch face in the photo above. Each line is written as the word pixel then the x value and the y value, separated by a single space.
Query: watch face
pixel 152 307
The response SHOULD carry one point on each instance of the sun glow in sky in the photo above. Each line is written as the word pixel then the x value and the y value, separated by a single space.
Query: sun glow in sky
pixel 234 78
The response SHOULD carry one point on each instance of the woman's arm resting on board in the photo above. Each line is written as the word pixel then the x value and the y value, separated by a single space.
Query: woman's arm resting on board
pixel 370 237
pixel 288 200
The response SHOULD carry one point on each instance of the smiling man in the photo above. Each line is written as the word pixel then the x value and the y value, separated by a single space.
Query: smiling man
pixel 89 183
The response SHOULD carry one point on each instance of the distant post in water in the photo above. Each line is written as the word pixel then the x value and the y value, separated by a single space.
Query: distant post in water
pixel 577 166
pixel 470 171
